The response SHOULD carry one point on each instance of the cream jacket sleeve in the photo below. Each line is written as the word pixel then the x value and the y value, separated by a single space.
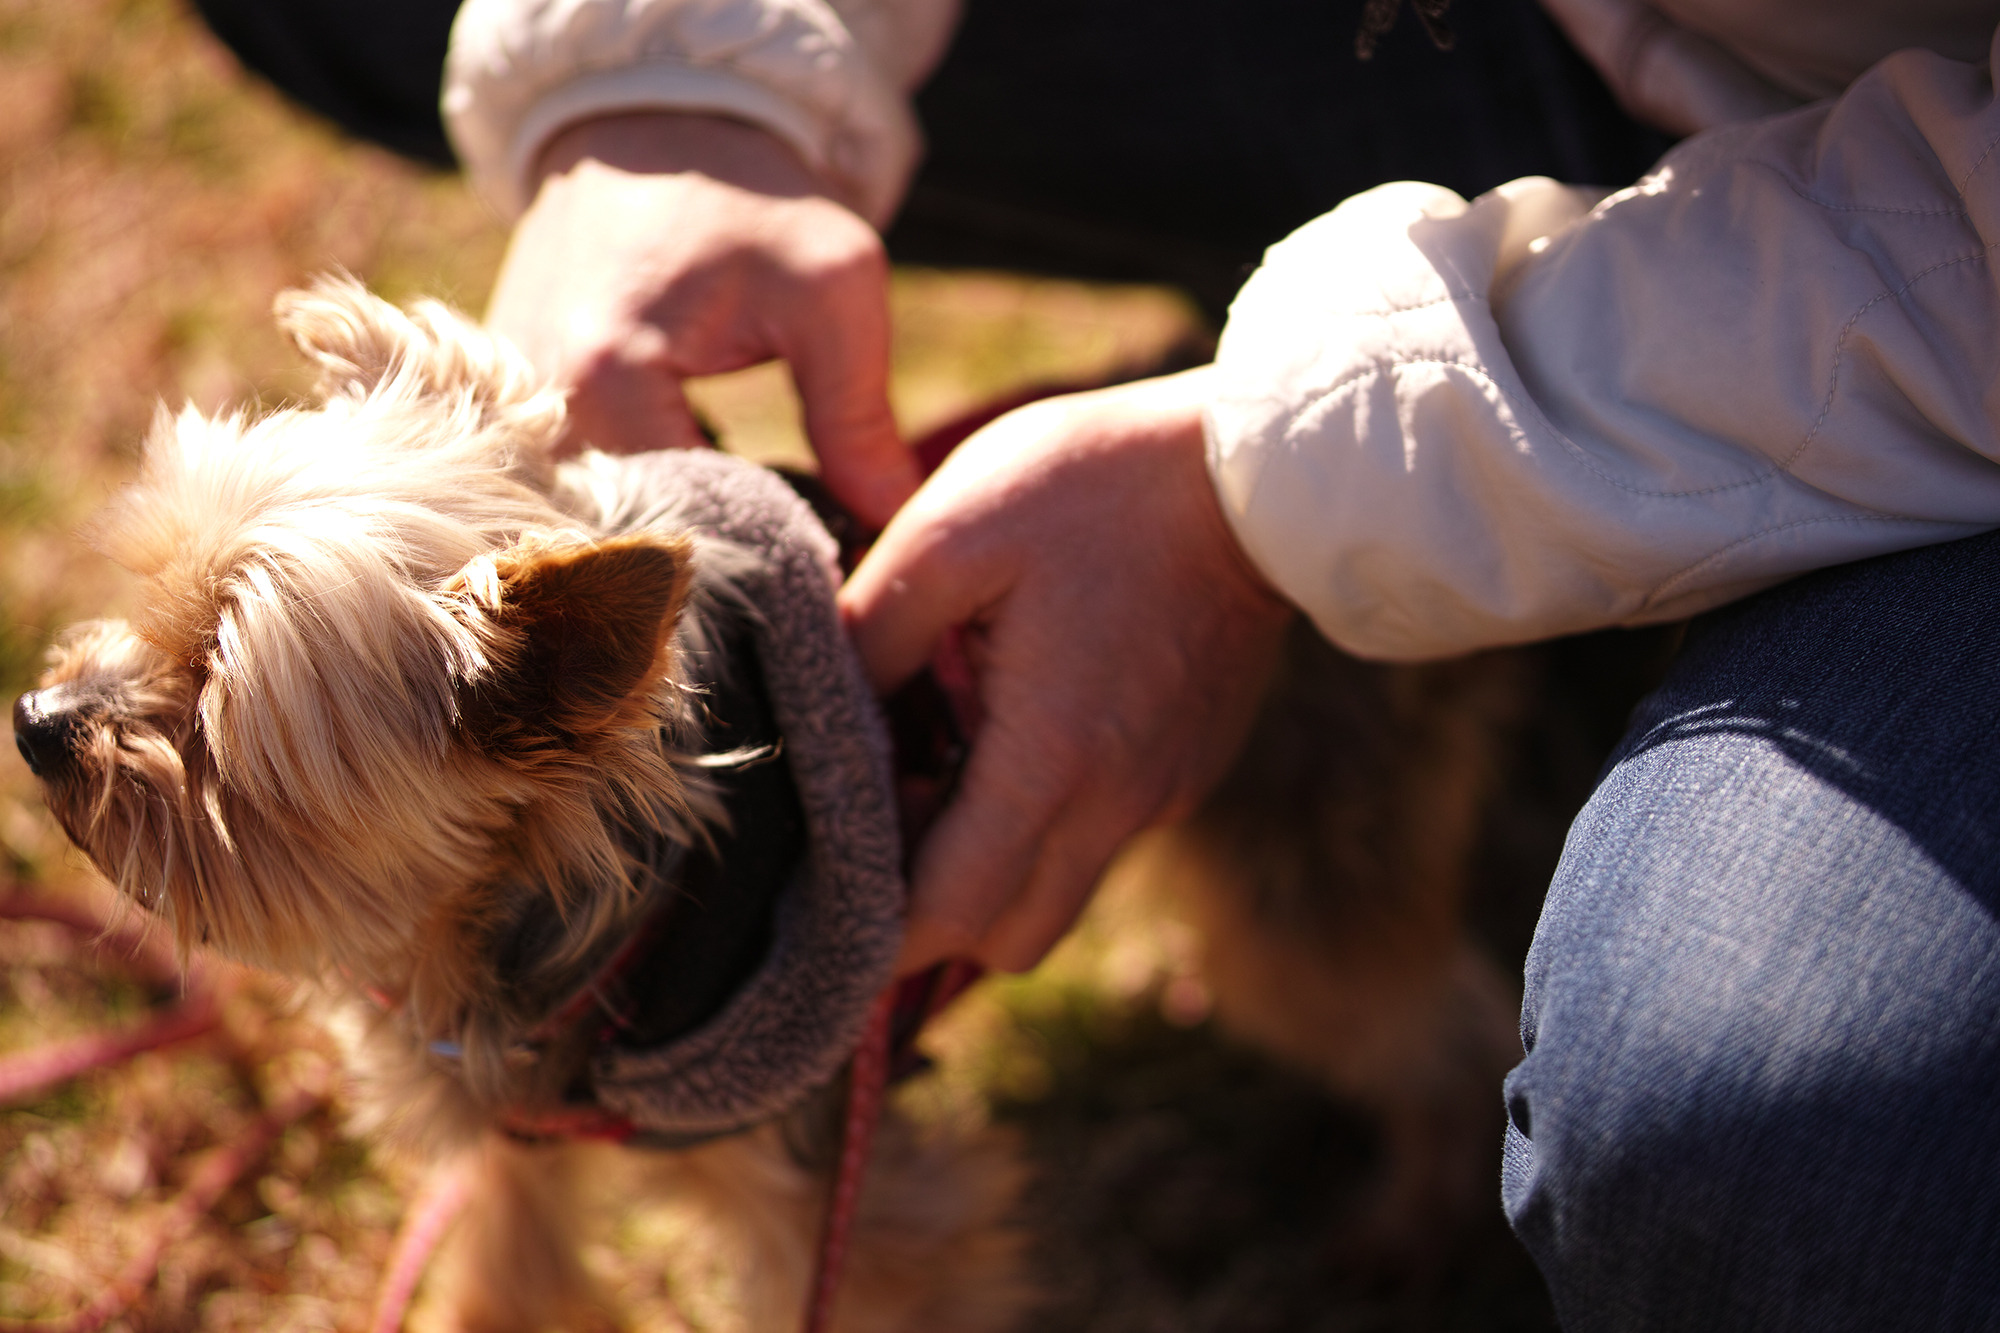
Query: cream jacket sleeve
pixel 1446 425
pixel 830 77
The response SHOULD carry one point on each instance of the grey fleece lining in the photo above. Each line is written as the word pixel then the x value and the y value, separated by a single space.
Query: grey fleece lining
pixel 839 921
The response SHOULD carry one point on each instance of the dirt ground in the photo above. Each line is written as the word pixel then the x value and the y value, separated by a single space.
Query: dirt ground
pixel 152 200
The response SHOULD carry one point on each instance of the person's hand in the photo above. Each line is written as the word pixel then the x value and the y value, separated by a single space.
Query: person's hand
pixel 1120 636
pixel 662 246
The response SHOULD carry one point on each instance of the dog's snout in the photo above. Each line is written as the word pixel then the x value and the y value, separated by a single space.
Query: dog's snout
pixel 45 729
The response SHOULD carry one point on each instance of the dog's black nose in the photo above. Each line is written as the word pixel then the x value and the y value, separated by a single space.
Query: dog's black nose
pixel 45 727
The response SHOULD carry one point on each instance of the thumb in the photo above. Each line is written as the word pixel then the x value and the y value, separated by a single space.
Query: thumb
pixel 907 591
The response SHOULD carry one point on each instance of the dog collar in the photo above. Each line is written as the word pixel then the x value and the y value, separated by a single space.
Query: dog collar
pixel 758 1044
pixel 714 933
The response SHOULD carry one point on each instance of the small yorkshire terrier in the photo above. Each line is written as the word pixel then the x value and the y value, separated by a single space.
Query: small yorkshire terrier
pixel 415 715
pixel 562 787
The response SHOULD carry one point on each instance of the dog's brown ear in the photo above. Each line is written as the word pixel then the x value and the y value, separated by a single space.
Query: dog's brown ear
pixel 577 633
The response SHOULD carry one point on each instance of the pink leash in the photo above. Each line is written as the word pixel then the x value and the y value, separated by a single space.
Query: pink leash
pixel 867 1084
pixel 912 999
pixel 898 1015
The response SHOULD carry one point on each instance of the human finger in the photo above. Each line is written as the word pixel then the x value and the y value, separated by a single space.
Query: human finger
pixel 839 356
pixel 910 588
pixel 1069 859
pixel 983 847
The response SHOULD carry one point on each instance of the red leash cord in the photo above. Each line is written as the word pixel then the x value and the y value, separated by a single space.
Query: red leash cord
pixel 867 1085
pixel 898 1015
pixel 430 1215
pixel 917 998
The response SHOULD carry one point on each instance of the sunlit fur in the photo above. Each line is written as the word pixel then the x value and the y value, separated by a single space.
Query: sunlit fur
pixel 385 685
pixel 279 761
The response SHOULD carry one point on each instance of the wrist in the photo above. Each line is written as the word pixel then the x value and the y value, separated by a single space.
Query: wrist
pixel 1182 400
pixel 675 142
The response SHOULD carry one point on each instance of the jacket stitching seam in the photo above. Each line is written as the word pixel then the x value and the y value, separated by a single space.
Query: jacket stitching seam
pixel 1840 347
pixel 1830 206
pixel 1449 298
pixel 1978 162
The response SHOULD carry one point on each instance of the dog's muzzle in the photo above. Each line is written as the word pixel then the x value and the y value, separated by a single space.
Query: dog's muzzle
pixel 46 726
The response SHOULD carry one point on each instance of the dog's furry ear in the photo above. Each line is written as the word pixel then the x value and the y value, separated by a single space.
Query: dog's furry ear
pixel 577 636
pixel 366 348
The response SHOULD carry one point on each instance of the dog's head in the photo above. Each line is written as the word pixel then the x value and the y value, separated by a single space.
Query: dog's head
pixel 376 669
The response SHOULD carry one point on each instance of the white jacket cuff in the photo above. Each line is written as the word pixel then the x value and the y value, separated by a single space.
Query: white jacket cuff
pixel 519 71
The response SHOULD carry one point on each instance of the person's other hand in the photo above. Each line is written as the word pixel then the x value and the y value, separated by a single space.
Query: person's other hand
pixel 1120 637
pixel 661 246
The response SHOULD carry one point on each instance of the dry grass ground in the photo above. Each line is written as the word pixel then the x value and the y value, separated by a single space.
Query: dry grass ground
pixel 152 200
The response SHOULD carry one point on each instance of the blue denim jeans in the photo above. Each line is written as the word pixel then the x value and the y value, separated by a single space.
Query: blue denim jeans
pixel 1762 1014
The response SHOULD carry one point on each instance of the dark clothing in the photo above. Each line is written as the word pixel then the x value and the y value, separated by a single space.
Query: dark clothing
pixel 1057 147
pixel 373 67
